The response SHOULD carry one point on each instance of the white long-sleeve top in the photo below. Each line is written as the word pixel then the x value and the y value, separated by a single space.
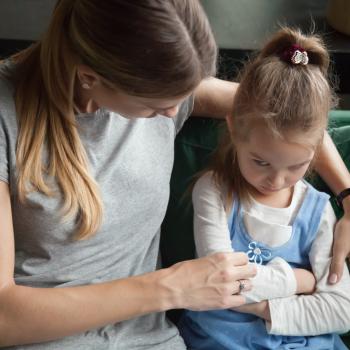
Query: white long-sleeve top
pixel 325 311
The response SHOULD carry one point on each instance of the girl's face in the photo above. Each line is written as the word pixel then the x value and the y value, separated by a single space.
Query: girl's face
pixel 270 164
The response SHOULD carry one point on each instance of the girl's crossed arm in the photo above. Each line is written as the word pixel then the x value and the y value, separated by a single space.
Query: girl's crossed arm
pixel 325 311
pixel 211 233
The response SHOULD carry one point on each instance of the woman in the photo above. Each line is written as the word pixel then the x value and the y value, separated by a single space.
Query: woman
pixel 85 175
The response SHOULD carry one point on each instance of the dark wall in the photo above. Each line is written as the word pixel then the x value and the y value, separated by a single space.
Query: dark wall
pixel 24 19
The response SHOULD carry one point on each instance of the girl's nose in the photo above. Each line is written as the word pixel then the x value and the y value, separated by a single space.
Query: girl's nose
pixel 276 181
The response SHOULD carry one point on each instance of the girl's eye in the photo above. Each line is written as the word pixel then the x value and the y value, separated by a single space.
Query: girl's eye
pixel 260 162
pixel 297 167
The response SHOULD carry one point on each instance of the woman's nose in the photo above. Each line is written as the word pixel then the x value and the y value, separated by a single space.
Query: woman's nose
pixel 170 112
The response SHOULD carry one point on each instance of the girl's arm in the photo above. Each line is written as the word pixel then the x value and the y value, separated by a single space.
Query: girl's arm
pixel 32 315
pixel 325 311
pixel 211 234
pixel 334 172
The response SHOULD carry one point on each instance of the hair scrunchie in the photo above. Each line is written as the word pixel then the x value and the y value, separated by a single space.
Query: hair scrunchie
pixel 295 54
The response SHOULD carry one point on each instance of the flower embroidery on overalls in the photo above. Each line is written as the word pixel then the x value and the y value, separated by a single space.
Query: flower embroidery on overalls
pixel 257 254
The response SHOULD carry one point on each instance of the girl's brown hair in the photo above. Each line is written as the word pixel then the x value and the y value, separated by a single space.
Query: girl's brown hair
pixel 278 94
pixel 149 48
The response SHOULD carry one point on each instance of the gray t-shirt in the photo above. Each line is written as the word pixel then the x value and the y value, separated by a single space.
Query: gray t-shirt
pixel 132 160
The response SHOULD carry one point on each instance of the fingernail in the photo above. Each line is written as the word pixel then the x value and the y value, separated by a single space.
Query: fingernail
pixel 333 278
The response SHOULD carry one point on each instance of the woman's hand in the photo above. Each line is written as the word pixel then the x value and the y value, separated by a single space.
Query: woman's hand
pixel 211 282
pixel 341 246
pixel 260 309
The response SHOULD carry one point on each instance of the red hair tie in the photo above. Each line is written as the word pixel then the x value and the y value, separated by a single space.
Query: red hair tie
pixel 295 54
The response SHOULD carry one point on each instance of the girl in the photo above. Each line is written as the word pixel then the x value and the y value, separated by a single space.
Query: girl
pixel 277 124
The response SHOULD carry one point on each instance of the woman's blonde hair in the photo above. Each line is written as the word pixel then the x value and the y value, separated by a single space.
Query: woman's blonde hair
pixel 145 48
pixel 279 95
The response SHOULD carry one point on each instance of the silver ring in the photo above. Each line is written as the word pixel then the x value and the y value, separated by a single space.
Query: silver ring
pixel 241 286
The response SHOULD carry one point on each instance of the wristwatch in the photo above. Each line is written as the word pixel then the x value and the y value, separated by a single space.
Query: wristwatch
pixel 339 198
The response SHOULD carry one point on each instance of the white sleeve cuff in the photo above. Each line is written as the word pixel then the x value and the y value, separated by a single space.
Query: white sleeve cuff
pixel 274 280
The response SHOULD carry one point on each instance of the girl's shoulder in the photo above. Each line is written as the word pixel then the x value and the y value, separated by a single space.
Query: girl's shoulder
pixel 206 182
pixel 208 189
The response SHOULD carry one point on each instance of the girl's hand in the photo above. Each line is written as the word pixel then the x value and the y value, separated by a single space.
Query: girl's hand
pixel 306 281
pixel 211 282
pixel 260 309
pixel 341 248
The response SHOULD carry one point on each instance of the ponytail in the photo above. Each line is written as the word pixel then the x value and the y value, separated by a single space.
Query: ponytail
pixel 47 118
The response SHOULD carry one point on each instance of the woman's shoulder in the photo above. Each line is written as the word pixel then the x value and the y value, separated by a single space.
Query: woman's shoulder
pixel 7 102
pixel 7 70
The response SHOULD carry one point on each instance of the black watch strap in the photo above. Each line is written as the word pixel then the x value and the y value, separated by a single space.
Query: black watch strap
pixel 341 196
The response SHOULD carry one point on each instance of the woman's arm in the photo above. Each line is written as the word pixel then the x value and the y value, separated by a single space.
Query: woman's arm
pixel 326 310
pixel 214 98
pixel 331 167
pixel 31 315
pixel 211 234
pixel 334 172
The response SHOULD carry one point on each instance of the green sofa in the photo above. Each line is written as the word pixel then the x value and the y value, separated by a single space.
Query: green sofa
pixel 193 146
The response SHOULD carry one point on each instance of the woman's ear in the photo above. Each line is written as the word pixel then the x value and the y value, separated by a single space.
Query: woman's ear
pixel 87 77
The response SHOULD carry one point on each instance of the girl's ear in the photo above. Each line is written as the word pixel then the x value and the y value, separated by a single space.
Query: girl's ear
pixel 229 122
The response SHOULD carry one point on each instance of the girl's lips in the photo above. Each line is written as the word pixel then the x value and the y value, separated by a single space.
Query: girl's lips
pixel 270 189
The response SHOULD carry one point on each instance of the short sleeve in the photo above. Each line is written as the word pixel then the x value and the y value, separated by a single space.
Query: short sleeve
pixel 4 162
pixel 184 112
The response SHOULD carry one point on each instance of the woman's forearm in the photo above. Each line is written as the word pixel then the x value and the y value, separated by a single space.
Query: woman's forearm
pixel 30 315
pixel 331 167
pixel 33 315
pixel 334 172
